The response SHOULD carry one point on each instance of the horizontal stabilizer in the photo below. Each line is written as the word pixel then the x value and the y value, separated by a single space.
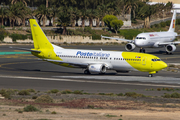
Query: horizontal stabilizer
pixel 26 49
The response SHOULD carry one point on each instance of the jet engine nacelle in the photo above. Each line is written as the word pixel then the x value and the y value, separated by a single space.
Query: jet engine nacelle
pixel 170 48
pixel 130 46
pixel 97 68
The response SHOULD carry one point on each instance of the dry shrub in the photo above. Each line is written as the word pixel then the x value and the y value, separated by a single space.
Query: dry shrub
pixel 44 99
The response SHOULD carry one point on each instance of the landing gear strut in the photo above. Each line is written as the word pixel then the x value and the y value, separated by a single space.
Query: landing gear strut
pixel 142 50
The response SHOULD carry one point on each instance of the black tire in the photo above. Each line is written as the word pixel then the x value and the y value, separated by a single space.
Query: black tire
pixel 150 75
pixel 140 50
pixel 144 50
pixel 86 72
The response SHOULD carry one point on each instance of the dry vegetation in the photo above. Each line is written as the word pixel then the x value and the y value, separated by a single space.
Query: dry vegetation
pixel 78 105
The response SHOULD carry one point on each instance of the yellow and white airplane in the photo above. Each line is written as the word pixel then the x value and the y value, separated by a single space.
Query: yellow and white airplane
pixel 93 61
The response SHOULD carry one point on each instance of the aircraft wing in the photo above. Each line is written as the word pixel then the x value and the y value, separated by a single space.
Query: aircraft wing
pixel 83 65
pixel 31 50
pixel 127 40
pixel 169 43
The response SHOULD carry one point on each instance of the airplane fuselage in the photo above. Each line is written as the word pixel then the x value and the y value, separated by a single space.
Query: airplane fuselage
pixel 112 60
pixel 152 39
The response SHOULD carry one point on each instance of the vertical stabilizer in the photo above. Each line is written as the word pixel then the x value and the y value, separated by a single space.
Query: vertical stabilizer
pixel 173 22
pixel 39 38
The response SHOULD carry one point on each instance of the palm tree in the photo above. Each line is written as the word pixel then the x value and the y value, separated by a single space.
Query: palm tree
pixel 25 13
pixel 97 14
pixel 74 15
pixel 102 11
pixel 63 18
pixel 3 14
pixel 41 13
pixel 145 12
pixel 12 14
pixel 130 6
pixel 24 1
pixel 51 15
pixel 90 14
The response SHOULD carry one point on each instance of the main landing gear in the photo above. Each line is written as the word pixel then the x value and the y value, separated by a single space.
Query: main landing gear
pixel 142 50
pixel 170 53
pixel 86 72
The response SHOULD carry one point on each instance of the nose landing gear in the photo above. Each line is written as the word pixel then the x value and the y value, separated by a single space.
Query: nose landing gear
pixel 150 75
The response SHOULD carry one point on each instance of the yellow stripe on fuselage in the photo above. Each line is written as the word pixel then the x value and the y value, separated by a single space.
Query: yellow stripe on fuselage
pixel 143 62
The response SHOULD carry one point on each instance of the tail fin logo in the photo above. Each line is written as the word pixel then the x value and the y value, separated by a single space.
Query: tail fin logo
pixel 34 25
pixel 173 23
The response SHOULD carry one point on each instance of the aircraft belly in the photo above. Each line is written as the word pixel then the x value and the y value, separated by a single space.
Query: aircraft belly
pixel 123 66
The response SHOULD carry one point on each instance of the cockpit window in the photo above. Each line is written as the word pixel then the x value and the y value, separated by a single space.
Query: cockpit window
pixel 143 38
pixel 155 60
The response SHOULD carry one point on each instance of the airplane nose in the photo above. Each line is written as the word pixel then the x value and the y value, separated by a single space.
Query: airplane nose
pixel 163 65
pixel 137 42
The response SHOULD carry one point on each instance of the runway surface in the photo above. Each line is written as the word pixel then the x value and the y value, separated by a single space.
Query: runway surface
pixel 23 71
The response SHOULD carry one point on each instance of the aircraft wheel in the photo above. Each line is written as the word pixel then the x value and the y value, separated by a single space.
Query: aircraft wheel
pixel 168 53
pixel 142 50
pixel 150 75
pixel 86 72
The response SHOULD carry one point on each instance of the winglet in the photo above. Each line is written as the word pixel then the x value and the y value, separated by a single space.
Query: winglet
pixel 173 22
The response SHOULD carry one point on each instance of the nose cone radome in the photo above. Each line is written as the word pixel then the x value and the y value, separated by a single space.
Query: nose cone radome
pixel 139 43
pixel 163 65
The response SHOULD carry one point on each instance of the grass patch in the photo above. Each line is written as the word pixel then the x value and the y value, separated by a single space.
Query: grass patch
pixel 173 95
pixel 78 92
pixel 133 94
pixel 101 93
pixel 24 92
pixel 44 99
pixel 90 106
pixel 111 115
pixel 66 92
pixel 30 108
pixel 53 112
pixel 120 94
pixel 7 93
pixel 53 91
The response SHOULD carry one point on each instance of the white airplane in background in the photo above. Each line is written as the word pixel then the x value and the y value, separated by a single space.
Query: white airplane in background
pixel 93 61
pixel 154 39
